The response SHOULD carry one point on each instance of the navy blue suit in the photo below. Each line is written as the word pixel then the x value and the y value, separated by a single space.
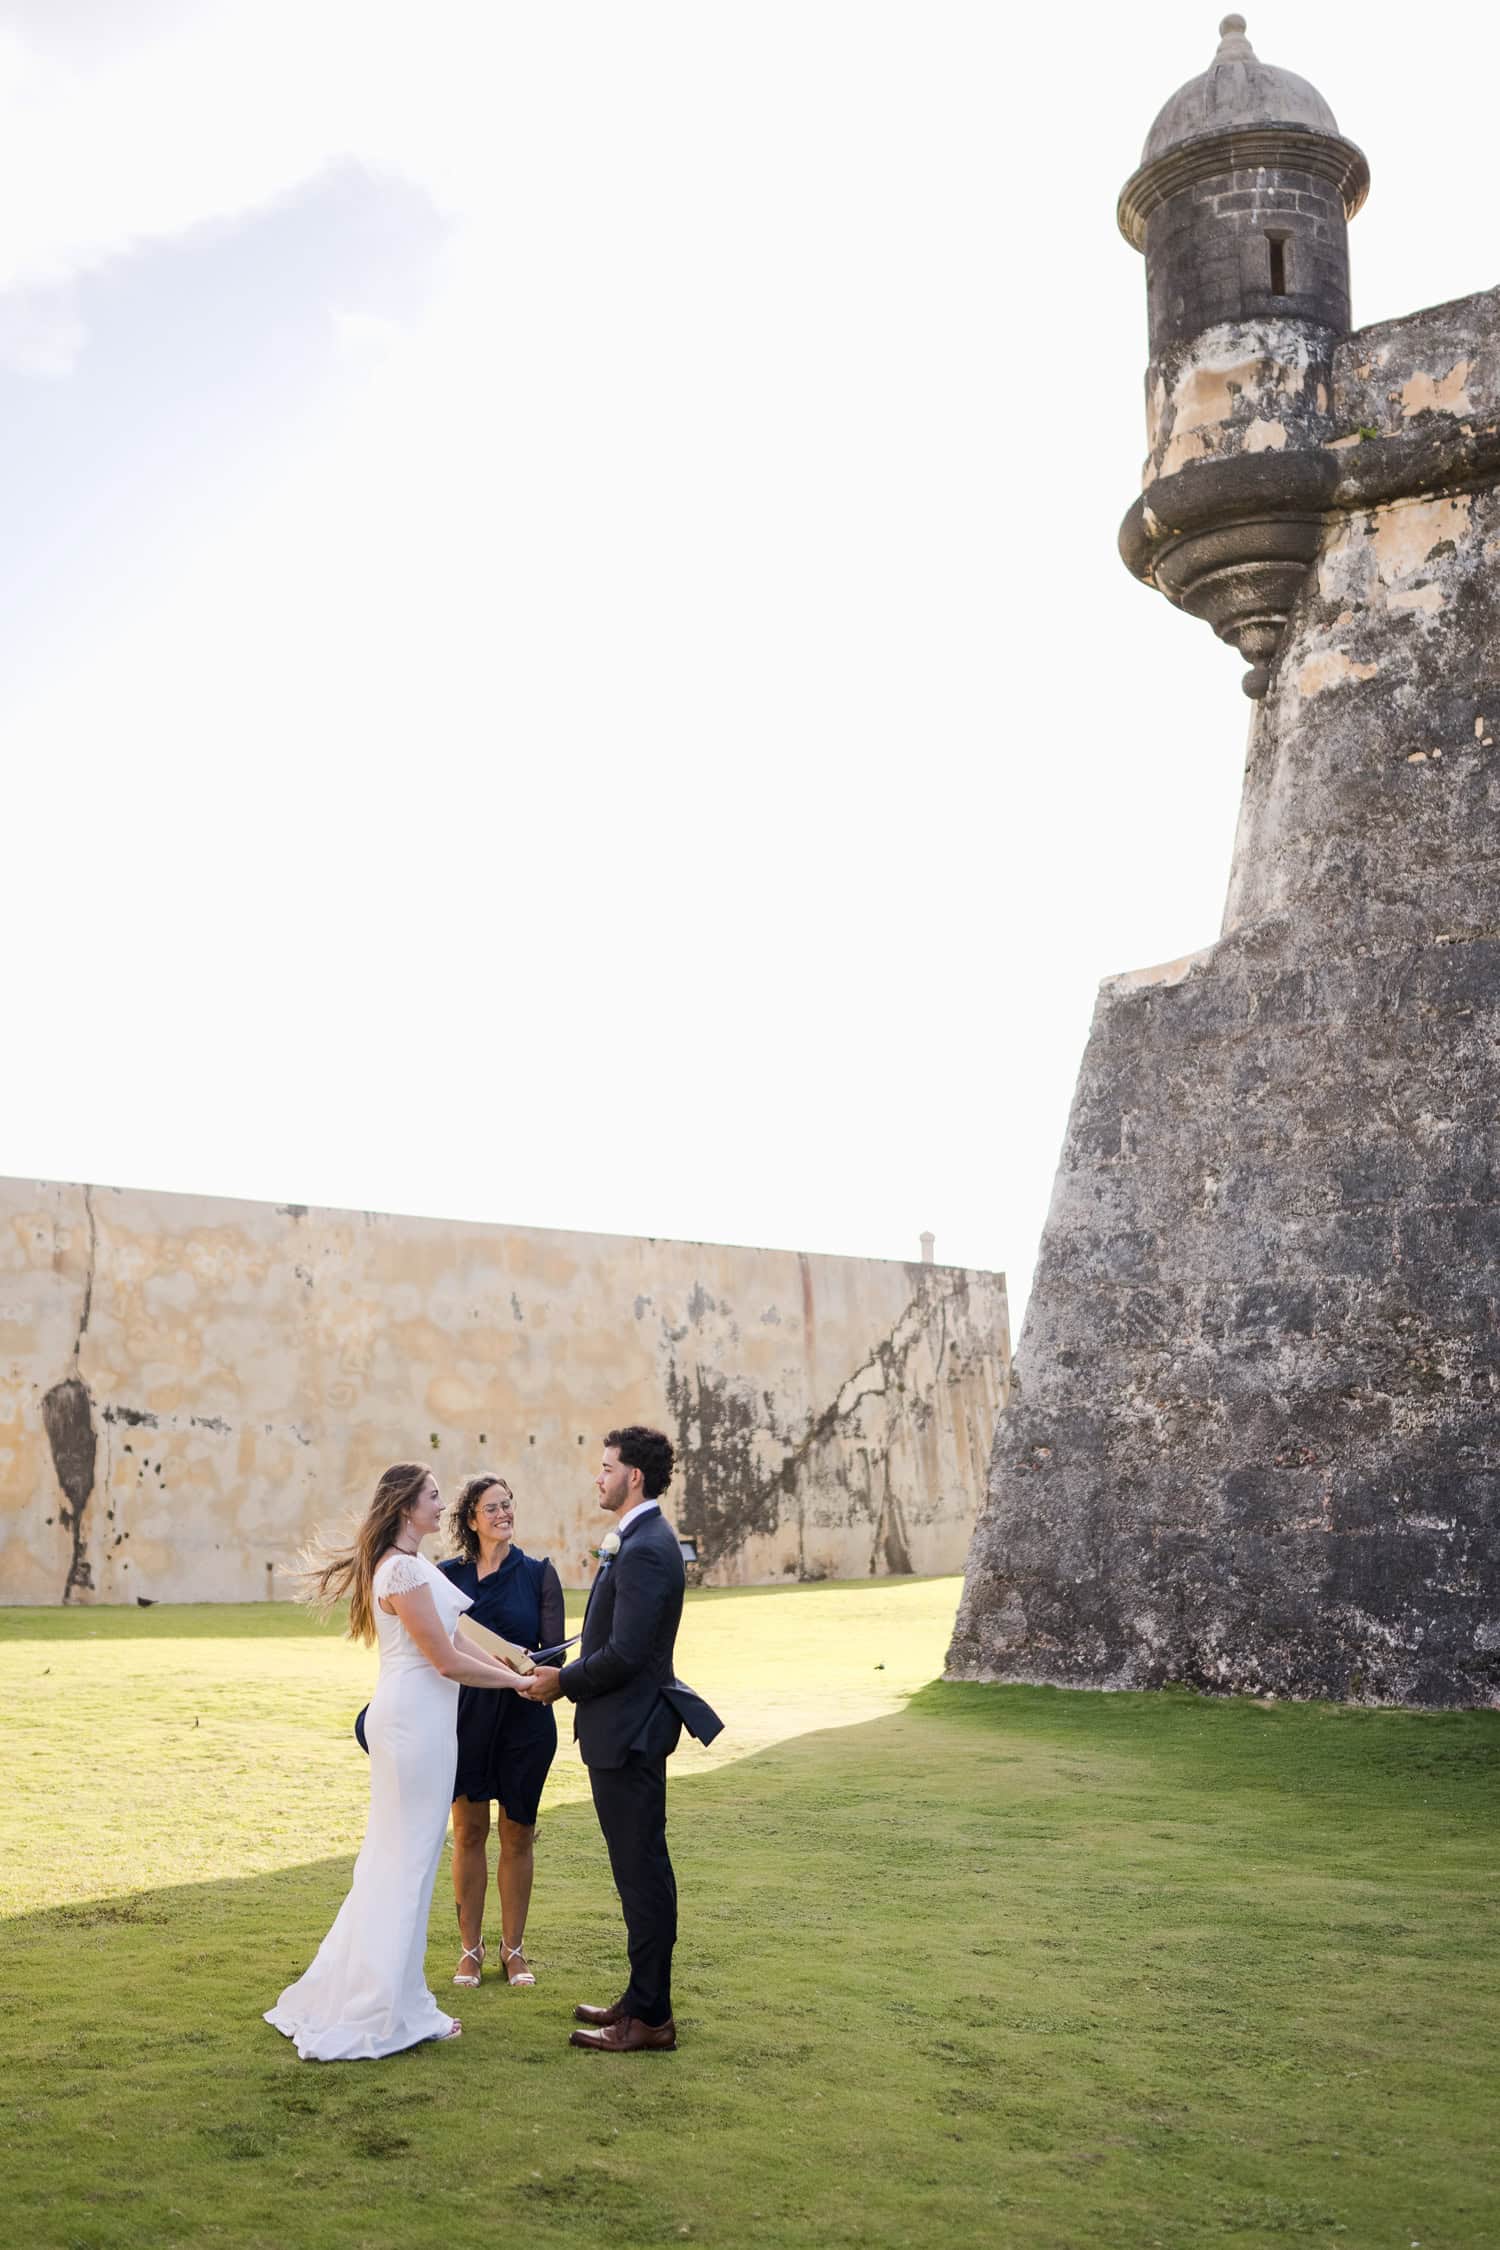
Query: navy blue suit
pixel 626 1730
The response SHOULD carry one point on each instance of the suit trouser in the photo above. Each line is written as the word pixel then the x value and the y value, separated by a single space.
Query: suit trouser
pixel 631 1801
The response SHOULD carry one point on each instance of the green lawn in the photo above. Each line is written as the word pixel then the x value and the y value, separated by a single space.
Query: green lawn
pixel 993 1966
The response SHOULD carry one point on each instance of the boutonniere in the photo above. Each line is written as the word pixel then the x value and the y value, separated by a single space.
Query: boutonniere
pixel 608 1547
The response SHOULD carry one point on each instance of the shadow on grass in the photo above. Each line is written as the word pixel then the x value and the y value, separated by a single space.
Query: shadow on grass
pixel 1015 1964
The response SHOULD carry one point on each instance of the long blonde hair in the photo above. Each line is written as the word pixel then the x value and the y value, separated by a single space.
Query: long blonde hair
pixel 332 1573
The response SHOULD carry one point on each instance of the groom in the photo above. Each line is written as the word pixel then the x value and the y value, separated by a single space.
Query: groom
pixel 626 1729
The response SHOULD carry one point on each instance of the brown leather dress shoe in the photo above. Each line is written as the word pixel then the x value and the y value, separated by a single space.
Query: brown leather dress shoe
pixel 628 2036
pixel 599 2016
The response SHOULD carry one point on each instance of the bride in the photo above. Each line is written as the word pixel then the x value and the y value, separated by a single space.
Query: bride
pixel 366 1994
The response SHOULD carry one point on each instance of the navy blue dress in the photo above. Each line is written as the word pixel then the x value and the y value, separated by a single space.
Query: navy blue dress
pixel 505 1742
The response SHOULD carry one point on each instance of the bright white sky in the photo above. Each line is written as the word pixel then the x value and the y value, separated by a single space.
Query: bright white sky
pixel 564 659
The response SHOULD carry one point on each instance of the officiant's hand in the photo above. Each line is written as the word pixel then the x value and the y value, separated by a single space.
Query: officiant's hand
pixel 544 1685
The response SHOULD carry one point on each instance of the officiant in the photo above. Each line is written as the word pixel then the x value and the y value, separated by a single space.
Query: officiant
pixel 505 1743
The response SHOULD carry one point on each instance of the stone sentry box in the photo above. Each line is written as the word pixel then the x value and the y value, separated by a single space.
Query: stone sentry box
pixel 1241 205
pixel 1254 1435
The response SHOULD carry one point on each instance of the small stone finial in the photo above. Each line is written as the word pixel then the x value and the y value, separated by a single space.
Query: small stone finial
pixel 1233 45
pixel 928 1245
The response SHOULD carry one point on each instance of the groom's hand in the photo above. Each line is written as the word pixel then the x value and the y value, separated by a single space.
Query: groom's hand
pixel 543 1685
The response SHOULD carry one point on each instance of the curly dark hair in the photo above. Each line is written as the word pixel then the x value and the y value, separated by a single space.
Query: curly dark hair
pixel 458 1523
pixel 650 1451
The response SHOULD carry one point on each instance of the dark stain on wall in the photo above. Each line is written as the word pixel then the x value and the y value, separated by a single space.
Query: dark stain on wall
pixel 731 1492
pixel 68 1414
pixel 890 1532
pixel 726 1494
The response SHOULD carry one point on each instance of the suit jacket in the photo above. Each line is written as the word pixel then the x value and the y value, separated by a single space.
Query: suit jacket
pixel 625 1657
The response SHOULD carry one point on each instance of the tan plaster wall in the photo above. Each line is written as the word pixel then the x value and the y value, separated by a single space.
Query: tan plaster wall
pixel 227 1378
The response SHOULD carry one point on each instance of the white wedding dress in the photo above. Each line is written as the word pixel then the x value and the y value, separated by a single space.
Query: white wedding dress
pixel 366 1992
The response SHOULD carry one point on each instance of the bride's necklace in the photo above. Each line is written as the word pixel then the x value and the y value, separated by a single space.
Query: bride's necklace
pixel 405 1550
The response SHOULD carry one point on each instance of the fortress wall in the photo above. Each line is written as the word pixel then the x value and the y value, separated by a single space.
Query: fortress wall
pixel 1371 784
pixel 1253 1443
pixel 189 1388
pixel 1397 374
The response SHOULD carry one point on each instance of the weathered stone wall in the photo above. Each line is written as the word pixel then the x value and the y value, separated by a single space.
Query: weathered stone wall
pixel 1242 387
pixel 1254 1442
pixel 190 1388
pixel 1370 785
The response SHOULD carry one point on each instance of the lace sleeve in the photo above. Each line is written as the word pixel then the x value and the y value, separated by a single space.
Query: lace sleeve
pixel 399 1574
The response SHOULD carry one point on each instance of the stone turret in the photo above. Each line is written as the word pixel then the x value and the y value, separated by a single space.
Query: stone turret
pixel 1241 205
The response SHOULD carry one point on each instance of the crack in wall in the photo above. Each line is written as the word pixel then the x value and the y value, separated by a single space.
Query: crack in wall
pixel 88 1279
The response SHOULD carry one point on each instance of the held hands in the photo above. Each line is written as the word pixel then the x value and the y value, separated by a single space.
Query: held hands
pixel 542 1685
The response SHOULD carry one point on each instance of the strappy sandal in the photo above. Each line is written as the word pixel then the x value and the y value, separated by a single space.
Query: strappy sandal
pixel 509 1953
pixel 471 1953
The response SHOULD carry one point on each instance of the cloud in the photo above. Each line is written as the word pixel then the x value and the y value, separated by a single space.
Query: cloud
pixel 132 127
pixel 106 146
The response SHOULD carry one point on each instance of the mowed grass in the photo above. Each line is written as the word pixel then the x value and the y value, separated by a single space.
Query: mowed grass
pixel 186 1744
pixel 958 1965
